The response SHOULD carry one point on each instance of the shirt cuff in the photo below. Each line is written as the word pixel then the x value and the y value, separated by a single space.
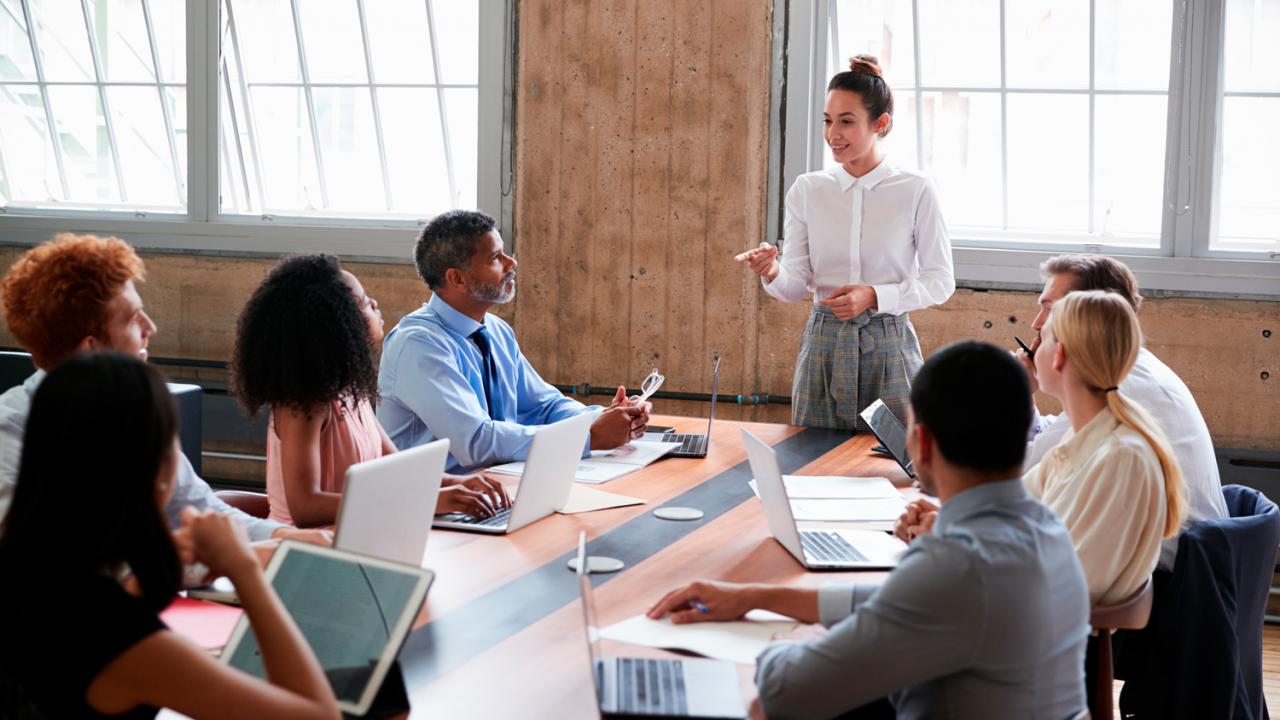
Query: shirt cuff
pixel 259 529
pixel 835 602
pixel 886 299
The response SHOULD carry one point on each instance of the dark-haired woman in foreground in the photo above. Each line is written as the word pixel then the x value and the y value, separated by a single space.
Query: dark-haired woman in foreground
pixel 85 579
pixel 304 348
pixel 868 240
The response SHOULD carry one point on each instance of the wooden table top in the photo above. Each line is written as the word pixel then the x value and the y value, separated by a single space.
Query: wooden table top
pixel 502 631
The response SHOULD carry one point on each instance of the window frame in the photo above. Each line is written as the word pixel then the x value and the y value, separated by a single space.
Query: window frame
pixel 1184 262
pixel 204 228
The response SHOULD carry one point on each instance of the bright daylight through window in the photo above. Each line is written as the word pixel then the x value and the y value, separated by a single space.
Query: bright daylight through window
pixel 325 108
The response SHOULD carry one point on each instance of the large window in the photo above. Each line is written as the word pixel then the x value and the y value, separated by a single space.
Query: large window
pixel 1135 127
pixel 193 120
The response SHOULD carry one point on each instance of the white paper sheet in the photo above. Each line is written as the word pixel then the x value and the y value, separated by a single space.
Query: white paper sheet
pixel 739 642
pixel 605 465
pixel 587 499
pixel 827 486
pixel 863 510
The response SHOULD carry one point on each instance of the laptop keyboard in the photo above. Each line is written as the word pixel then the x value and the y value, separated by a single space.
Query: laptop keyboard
pixel 497 520
pixel 651 687
pixel 696 444
pixel 829 547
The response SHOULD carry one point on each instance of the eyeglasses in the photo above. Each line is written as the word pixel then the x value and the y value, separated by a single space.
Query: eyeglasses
pixel 650 385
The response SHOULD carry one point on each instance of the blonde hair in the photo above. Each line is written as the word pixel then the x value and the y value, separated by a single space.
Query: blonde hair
pixel 1100 334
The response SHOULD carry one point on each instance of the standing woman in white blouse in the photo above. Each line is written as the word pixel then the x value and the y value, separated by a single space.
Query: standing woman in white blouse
pixel 868 240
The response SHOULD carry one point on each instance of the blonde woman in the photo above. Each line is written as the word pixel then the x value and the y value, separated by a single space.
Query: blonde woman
pixel 1114 481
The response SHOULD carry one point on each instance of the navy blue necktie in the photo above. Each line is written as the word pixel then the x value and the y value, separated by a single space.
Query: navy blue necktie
pixel 490 374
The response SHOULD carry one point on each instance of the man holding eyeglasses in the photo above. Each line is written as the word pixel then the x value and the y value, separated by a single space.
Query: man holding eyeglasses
pixel 450 369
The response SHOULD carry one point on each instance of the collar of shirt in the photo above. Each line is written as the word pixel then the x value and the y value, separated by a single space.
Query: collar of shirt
pixel 978 499
pixel 452 319
pixel 866 182
pixel 1077 447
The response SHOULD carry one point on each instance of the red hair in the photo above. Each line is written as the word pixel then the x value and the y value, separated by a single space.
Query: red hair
pixel 56 294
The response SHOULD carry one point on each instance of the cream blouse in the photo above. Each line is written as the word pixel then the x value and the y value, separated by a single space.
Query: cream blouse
pixel 1106 485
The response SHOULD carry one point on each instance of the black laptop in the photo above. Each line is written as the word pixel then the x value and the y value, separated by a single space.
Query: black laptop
pixel 890 432
pixel 693 445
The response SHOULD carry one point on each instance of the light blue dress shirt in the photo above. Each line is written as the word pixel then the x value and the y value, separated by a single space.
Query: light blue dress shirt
pixel 986 617
pixel 432 384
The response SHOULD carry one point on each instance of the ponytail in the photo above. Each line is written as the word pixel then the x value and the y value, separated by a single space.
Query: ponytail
pixel 1131 414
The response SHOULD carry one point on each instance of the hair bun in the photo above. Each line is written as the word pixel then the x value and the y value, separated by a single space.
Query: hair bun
pixel 865 65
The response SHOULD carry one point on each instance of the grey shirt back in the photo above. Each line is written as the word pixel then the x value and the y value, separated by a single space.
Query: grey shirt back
pixel 985 617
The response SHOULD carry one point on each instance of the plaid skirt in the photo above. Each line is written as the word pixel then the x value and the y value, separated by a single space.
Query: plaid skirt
pixel 845 365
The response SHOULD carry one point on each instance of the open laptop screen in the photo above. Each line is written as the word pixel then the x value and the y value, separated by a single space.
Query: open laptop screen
pixel 354 611
pixel 889 430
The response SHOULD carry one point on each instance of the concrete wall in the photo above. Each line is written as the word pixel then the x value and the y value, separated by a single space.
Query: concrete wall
pixel 642 147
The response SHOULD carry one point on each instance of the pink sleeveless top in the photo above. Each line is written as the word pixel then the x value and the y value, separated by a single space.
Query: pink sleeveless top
pixel 348 436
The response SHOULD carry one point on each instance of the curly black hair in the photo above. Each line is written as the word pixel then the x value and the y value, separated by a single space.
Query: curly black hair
pixel 301 340
pixel 448 241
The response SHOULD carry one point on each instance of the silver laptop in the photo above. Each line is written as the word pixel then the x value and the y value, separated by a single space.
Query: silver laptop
pixel 354 612
pixel 545 485
pixel 693 445
pixel 647 687
pixel 815 549
pixel 388 504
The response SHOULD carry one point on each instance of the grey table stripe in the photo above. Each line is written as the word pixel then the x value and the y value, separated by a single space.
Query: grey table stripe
pixel 463 633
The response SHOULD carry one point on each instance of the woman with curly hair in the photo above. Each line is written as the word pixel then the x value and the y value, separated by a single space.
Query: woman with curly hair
pixel 304 349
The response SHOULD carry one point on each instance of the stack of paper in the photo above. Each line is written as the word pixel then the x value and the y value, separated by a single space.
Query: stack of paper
pixel 739 641
pixel 820 498
pixel 605 465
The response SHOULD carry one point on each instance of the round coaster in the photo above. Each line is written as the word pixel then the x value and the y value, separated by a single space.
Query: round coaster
pixel 678 513
pixel 598 564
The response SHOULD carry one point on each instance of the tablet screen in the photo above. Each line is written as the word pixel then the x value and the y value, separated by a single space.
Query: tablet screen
pixel 888 430
pixel 354 611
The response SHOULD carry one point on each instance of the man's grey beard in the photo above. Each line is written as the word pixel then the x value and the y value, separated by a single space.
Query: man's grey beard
pixel 495 293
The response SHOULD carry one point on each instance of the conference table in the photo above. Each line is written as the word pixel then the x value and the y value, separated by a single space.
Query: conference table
pixel 501 634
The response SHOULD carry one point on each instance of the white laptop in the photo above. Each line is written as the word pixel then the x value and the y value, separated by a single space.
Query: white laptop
pixel 354 612
pixel 545 484
pixel 631 687
pixel 815 549
pixel 388 504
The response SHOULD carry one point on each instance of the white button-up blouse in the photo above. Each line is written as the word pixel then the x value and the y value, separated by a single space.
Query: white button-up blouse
pixel 884 229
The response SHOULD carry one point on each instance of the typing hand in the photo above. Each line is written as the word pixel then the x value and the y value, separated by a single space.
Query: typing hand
pixel 484 484
pixel 763 261
pixel 462 499
pixel 703 601
pixel 850 301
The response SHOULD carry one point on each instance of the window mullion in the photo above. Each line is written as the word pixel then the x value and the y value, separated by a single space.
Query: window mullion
pixel 54 138
pixel 373 98
pixel 251 127
pixel 1195 110
pixel 1004 124
pixel 833 33
pixel 440 101
pixel 311 103
pixel 164 101
pixel 919 81
pixel 1093 63
pixel 102 97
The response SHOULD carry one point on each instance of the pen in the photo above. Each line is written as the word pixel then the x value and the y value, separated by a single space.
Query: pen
pixel 1030 353
pixel 699 607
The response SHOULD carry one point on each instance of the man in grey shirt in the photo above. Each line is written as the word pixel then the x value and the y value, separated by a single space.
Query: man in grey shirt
pixel 986 617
